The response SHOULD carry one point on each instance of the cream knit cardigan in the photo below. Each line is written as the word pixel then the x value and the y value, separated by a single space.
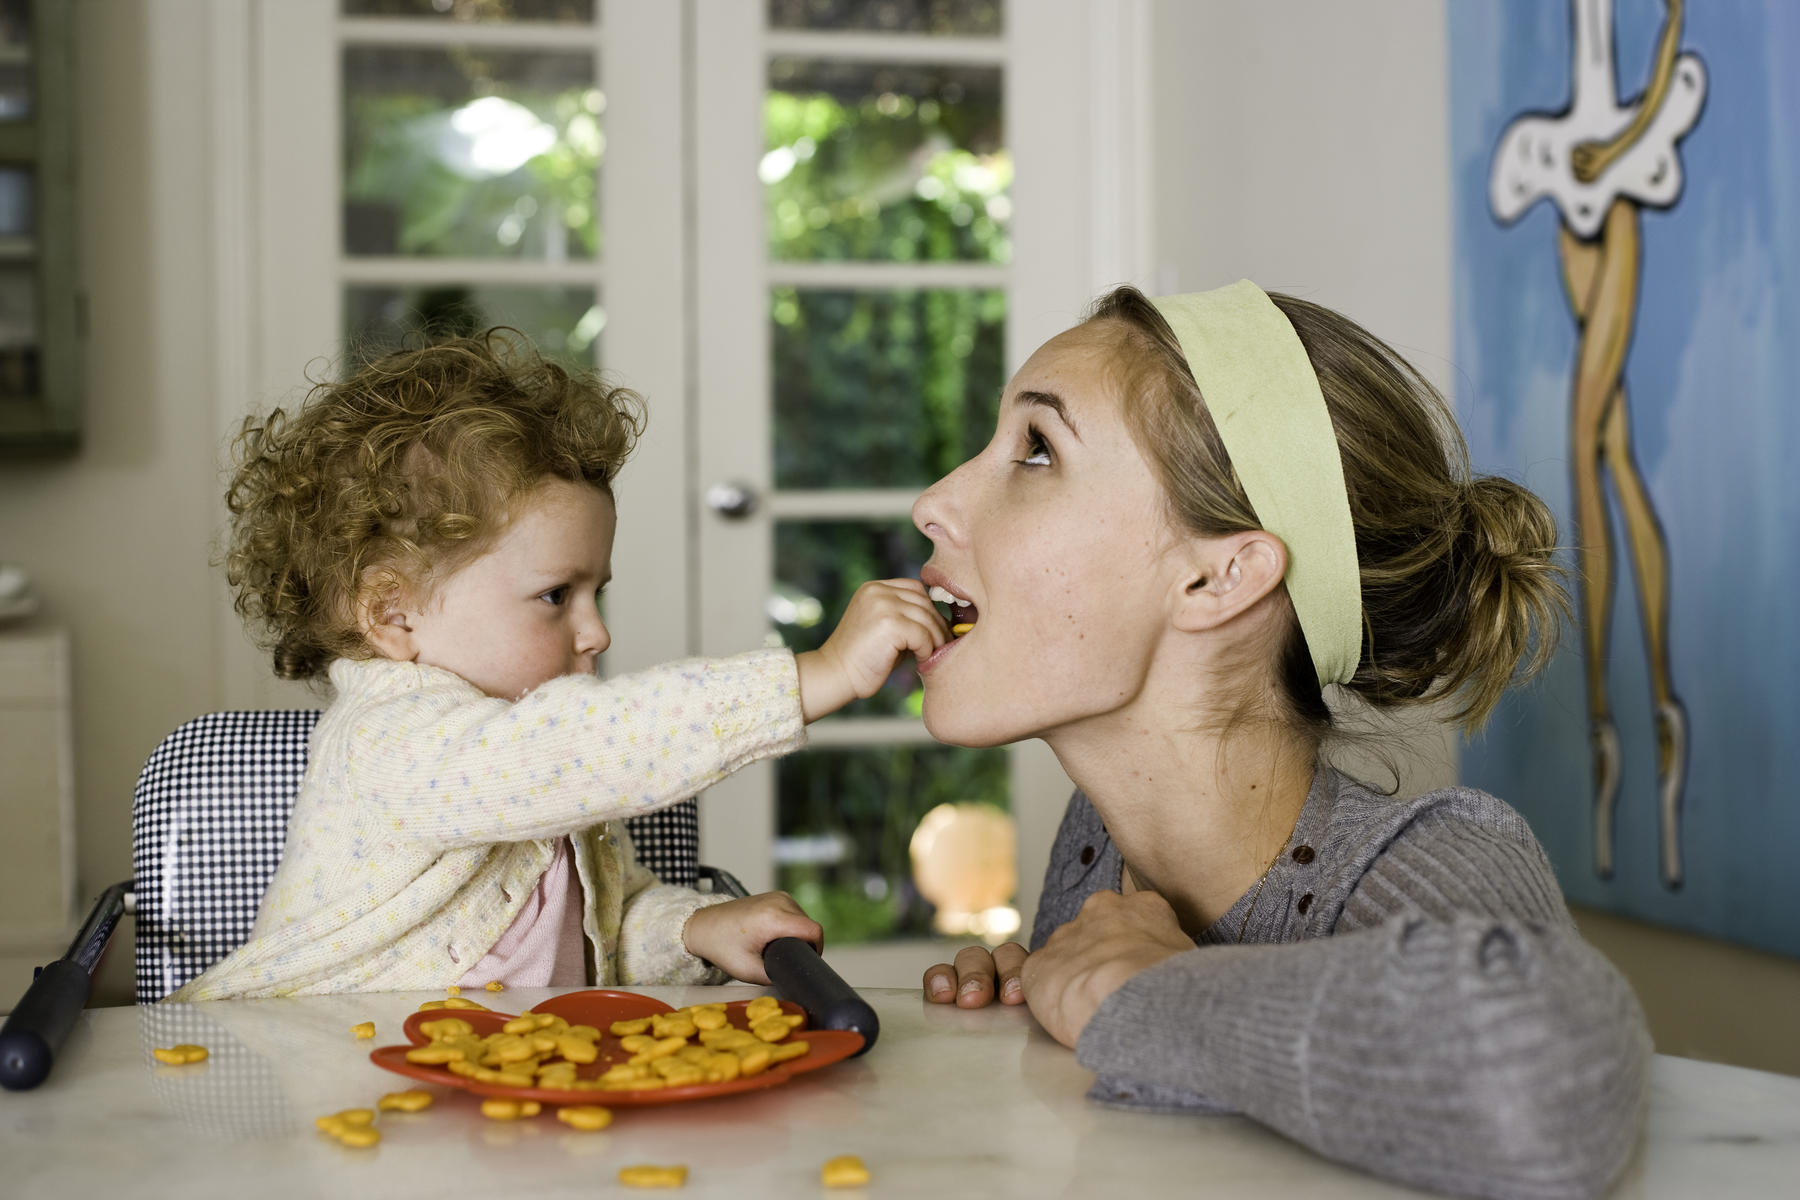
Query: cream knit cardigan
pixel 429 811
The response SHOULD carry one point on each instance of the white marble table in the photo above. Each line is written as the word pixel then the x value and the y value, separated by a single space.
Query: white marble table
pixel 949 1103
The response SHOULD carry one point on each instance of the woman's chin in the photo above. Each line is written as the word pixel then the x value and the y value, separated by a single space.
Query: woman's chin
pixel 961 725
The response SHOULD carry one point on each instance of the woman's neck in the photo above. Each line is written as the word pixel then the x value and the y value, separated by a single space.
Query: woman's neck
pixel 1198 817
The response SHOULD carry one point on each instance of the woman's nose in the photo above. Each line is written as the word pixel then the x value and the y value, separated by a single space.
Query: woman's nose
pixel 936 512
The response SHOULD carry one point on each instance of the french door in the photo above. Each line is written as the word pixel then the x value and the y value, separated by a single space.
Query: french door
pixel 818 238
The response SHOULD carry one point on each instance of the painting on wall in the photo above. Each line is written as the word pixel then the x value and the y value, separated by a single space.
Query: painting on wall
pixel 1627 217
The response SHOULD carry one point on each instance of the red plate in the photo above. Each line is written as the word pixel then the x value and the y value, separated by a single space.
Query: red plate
pixel 600 1007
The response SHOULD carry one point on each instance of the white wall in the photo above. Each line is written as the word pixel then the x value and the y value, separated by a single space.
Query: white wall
pixel 117 537
pixel 1305 144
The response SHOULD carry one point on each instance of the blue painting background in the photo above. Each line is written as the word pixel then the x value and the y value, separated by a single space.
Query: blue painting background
pixel 1715 408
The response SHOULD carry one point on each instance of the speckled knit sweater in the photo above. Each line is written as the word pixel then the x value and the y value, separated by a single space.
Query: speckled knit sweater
pixel 1409 996
pixel 429 811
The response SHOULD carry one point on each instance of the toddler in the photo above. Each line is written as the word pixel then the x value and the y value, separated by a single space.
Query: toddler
pixel 433 534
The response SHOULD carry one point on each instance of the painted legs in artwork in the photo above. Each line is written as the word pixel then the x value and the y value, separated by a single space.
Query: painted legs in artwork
pixel 1601 276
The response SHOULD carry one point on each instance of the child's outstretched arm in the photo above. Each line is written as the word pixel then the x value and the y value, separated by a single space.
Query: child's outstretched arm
pixel 885 619
pixel 427 759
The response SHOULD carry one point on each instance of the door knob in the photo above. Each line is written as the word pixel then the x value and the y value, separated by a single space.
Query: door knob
pixel 734 501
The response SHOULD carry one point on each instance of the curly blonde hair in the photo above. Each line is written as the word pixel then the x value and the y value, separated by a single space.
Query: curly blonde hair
pixel 398 475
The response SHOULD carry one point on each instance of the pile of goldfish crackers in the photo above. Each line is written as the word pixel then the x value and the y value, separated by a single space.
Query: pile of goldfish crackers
pixel 543 1050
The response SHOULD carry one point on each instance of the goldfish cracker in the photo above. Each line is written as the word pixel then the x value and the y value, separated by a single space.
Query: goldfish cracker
pixel 629 1028
pixel 497 1109
pixel 363 1030
pixel 787 1050
pixel 644 1176
pixel 431 1006
pixel 463 1002
pixel 761 1007
pixel 672 1025
pixel 445 1028
pixel 755 1060
pixel 732 1038
pixel 453 990
pixel 710 1018
pixel 415 1100
pixel 494 985
pixel 588 1117
pixel 435 1054
pixel 661 1048
pixel 846 1170
pixel 359 1138
pixel 181 1055
pixel 771 1029
pixel 576 1049
pixel 349 1118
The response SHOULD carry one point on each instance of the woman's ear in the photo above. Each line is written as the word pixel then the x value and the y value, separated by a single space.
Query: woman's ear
pixel 385 625
pixel 1228 576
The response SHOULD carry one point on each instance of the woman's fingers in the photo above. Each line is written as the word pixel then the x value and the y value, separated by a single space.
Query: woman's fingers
pixel 970 980
pixel 1009 960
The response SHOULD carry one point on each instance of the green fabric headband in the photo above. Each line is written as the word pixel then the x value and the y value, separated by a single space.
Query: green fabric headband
pixel 1265 400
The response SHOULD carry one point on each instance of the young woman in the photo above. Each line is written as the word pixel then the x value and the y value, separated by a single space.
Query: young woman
pixel 1196 516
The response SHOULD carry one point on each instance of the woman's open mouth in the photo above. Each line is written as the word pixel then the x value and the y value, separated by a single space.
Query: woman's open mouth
pixel 962 613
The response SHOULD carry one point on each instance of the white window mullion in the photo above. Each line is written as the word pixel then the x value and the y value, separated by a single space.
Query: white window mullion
pixel 643 177
pixel 507 272
pixel 731 432
pixel 515 35
pixel 885 47
pixel 848 275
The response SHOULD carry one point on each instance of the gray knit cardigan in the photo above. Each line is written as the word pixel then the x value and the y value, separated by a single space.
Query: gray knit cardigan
pixel 1410 996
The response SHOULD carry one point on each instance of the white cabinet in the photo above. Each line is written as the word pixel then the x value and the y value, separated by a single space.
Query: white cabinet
pixel 37 803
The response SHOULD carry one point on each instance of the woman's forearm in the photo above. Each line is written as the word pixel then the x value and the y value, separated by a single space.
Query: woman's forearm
pixel 1478 1056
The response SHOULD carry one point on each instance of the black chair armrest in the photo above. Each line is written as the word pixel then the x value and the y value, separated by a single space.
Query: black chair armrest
pixel 37 1027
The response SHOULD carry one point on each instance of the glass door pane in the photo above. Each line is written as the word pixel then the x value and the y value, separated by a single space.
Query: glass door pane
pixel 900 162
pixel 471 152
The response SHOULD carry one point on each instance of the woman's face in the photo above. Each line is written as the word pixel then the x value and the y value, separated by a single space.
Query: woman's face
pixel 1054 542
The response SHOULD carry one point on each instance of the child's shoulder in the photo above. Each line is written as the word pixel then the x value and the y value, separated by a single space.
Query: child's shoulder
pixel 373 680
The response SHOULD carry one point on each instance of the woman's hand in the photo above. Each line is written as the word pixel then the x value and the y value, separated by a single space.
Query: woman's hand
pixel 731 936
pixel 885 619
pixel 1111 939
pixel 978 976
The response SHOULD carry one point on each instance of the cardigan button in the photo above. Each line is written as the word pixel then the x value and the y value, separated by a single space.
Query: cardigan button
pixel 1303 854
pixel 1304 903
pixel 1087 855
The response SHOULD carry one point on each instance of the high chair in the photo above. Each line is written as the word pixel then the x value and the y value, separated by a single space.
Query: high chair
pixel 208 822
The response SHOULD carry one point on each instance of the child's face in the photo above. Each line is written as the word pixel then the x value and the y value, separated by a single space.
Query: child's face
pixel 528 610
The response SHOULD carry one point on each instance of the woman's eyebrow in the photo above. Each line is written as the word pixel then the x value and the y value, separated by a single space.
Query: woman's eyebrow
pixel 1051 401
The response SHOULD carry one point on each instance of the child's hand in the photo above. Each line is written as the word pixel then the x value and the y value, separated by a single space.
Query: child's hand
pixel 732 935
pixel 886 618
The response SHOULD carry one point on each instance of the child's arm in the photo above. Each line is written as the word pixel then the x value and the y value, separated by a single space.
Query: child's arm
pixel 427 759
pixel 676 935
pixel 885 619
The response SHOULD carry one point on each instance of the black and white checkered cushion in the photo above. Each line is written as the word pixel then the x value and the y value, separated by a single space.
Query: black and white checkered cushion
pixel 209 819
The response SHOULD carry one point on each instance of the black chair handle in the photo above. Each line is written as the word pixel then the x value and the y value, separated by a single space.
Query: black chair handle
pixel 801 975
pixel 37 1027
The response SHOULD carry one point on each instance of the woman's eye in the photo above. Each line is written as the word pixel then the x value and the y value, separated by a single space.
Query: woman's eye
pixel 1037 450
pixel 556 595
